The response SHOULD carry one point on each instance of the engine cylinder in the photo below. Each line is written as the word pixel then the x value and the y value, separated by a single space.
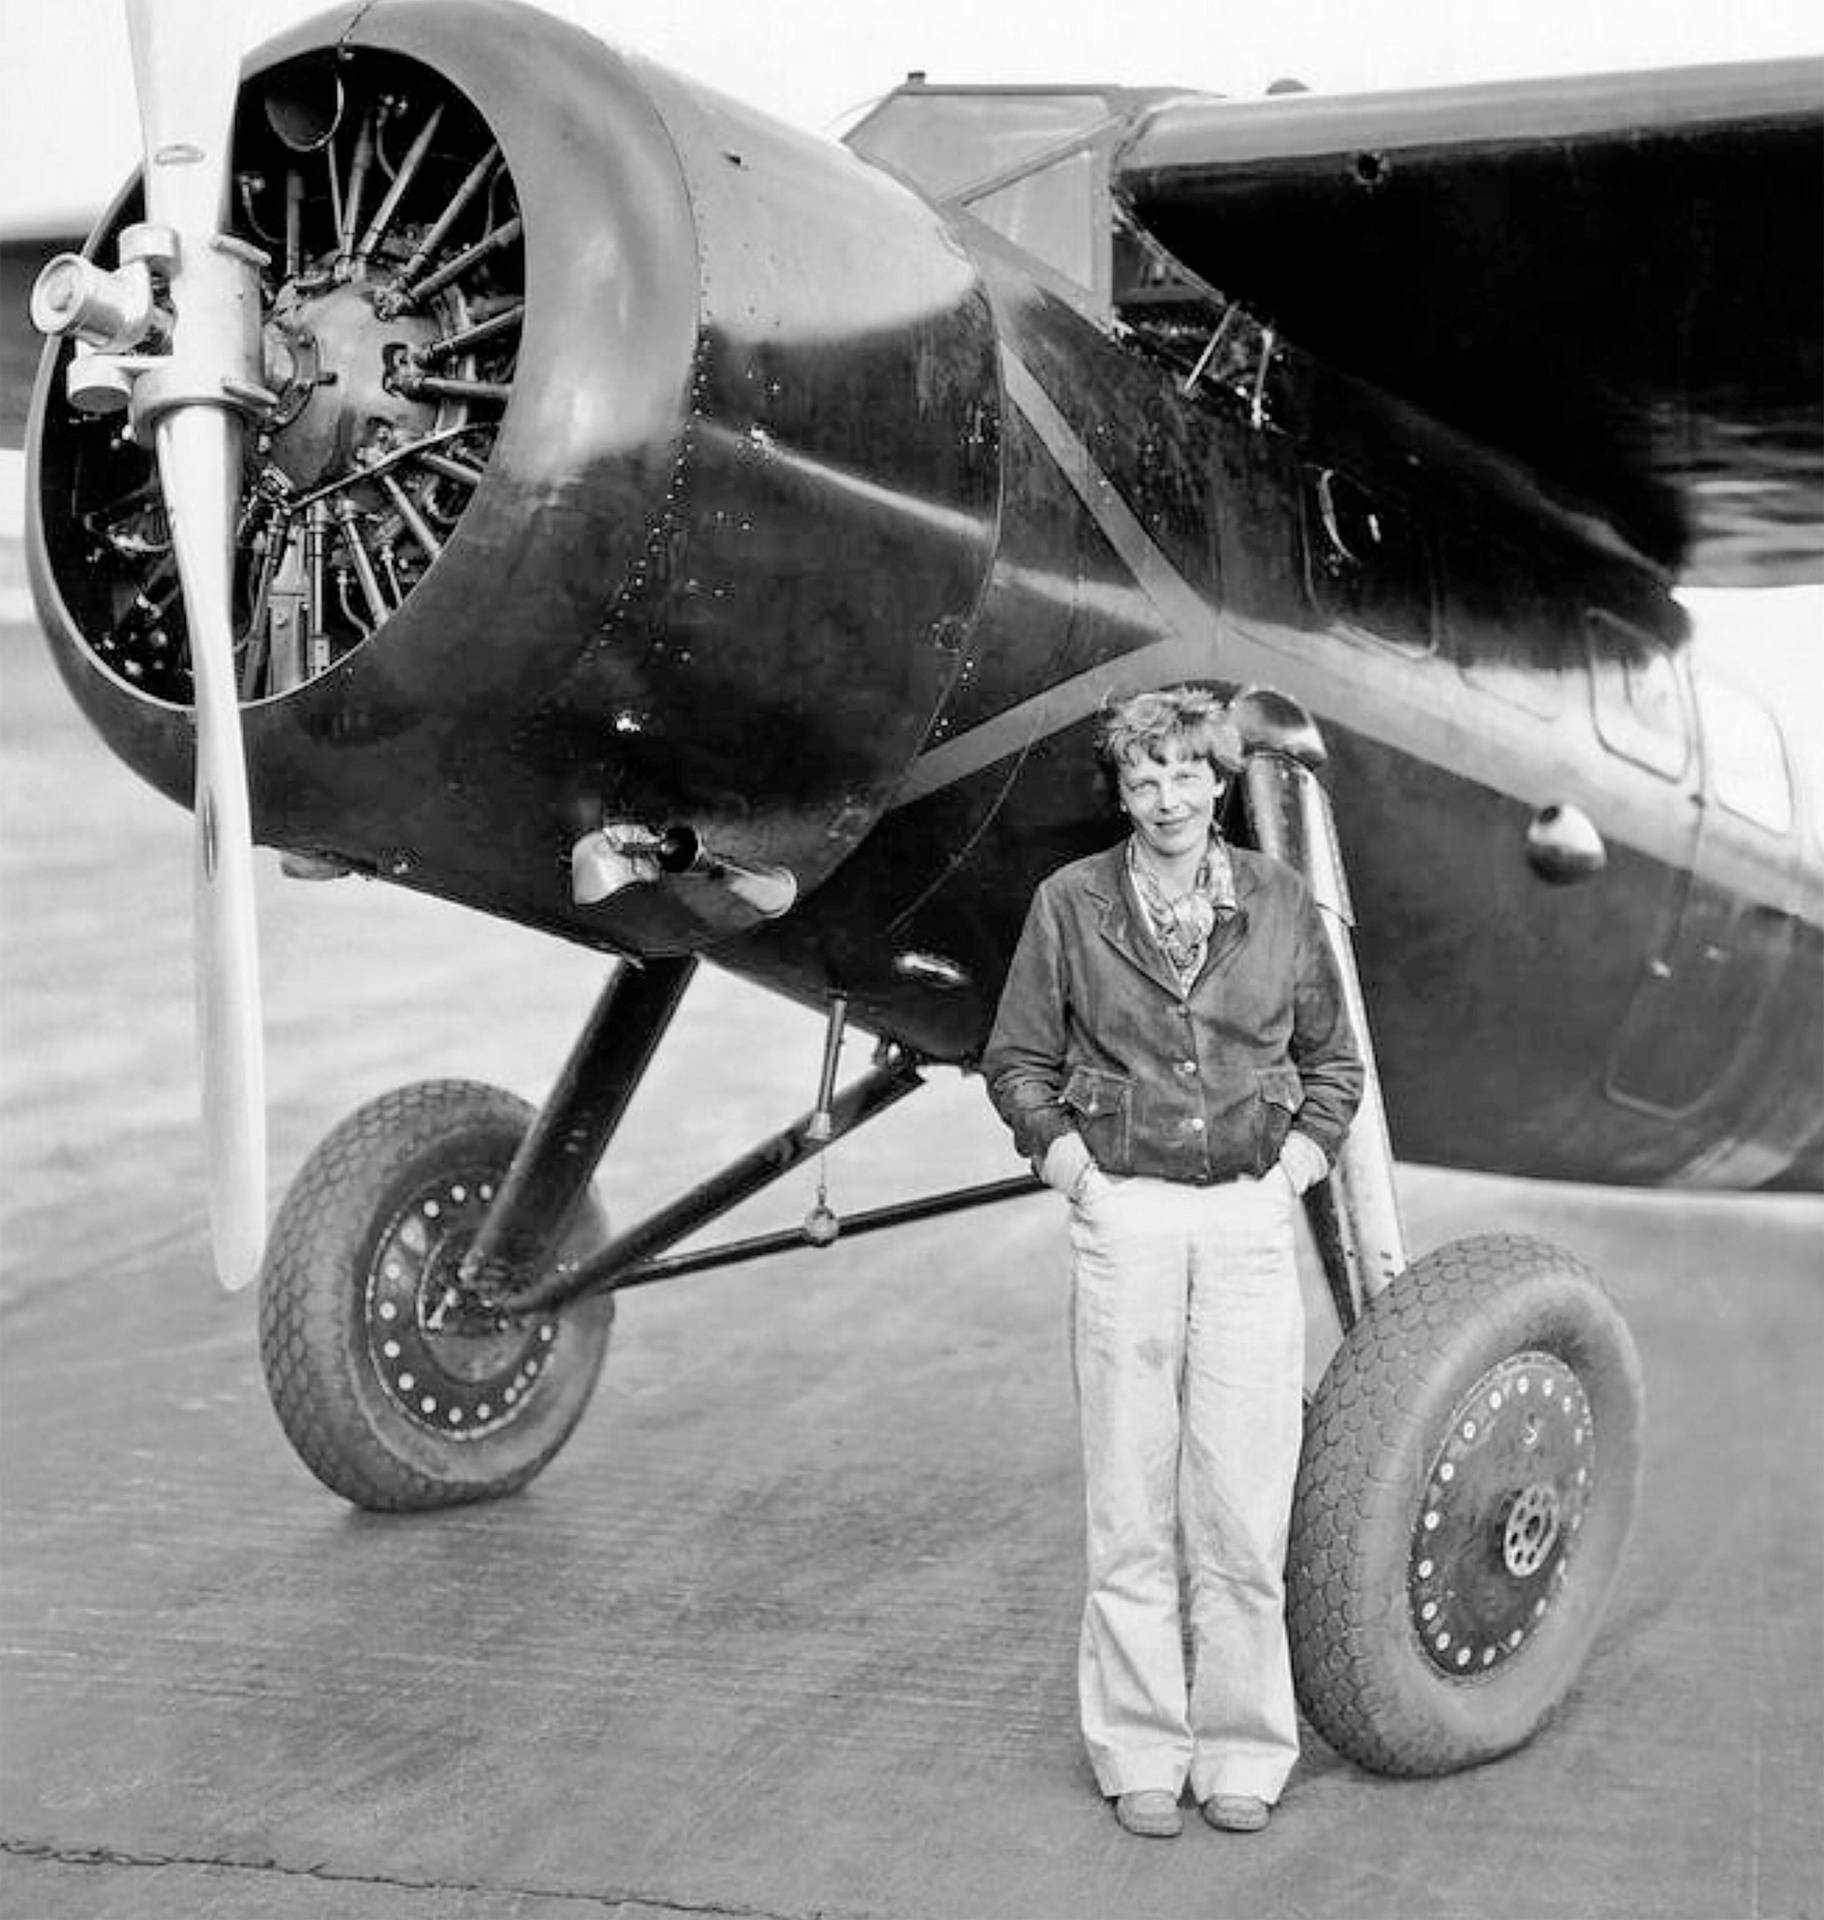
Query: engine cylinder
pixel 634 457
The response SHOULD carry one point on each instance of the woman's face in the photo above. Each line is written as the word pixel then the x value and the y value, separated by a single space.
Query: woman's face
pixel 1171 802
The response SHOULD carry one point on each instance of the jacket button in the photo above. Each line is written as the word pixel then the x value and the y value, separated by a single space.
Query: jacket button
pixel 1196 1126
pixel 1187 1066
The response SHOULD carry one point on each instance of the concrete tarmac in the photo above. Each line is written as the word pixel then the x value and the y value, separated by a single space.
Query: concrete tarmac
pixel 787 1631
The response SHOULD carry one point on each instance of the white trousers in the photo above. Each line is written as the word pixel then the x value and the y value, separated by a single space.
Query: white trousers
pixel 1188 1344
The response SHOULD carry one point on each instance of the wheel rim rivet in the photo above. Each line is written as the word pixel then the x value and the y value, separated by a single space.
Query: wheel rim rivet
pixel 1505 1496
pixel 455 1371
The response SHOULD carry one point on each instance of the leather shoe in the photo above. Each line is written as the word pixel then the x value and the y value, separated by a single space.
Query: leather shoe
pixel 1236 1812
pixel 1152 1813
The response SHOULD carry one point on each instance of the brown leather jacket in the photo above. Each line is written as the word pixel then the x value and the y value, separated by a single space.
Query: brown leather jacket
pixel 1094 1032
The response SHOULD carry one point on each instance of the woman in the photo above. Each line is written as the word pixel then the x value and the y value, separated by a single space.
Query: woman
pixel 1173 1054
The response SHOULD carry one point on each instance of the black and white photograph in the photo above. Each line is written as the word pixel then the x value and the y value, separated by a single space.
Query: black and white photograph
pixel 911 960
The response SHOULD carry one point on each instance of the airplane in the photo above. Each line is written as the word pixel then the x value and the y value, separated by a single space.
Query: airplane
pixel 473 457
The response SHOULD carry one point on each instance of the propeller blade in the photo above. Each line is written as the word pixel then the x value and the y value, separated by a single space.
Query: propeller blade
pixel 186 73
pixel 186 69
pixel 199 459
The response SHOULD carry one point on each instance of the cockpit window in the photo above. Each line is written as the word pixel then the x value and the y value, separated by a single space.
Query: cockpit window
pixel 1029 165
pixel 1051 213
pixel 944 142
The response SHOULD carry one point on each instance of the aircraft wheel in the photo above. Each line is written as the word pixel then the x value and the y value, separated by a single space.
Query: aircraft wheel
pixel 1470 1472
pixel 391 1398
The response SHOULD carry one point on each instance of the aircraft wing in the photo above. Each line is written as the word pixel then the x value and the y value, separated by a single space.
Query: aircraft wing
pixel 1619 280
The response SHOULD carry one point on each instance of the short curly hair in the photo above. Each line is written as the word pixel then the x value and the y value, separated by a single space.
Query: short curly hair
pixel 1192 720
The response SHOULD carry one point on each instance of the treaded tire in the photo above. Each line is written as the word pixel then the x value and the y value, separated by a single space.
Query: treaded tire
pixel 1422 1430
pixel 387 1409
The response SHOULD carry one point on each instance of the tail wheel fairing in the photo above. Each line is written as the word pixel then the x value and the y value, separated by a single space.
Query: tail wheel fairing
pixel 391 306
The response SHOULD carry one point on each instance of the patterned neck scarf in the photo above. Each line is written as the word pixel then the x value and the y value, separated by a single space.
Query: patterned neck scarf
pixel 1183 926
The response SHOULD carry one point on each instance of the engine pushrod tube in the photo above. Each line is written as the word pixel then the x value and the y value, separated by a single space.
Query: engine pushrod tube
pixel 402 181
pixel 862 1100
pixel 557 1159
pixel 759 1246
pixel 492 242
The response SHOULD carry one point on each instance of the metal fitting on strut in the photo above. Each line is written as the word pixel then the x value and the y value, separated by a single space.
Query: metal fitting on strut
pixel 132 351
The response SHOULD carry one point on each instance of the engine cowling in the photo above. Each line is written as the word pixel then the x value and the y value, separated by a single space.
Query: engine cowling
pixel 629 457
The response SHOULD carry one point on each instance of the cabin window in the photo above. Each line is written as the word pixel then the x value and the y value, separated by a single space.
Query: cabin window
pixel 1506 626
pixel 1367 562
pixel 1639 705
pixel 1745 755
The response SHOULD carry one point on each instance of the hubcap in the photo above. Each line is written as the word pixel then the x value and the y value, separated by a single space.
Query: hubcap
pixel 1504 1500
pixel 456 1373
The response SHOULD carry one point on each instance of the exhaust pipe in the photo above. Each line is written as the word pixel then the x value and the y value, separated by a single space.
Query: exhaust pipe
pixel 624 854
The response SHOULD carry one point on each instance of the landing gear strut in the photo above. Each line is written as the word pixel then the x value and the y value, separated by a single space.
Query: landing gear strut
pixel 1472 1453
pixel 439 1284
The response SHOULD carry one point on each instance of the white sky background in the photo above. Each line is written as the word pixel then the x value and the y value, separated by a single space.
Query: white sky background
pixel 69 130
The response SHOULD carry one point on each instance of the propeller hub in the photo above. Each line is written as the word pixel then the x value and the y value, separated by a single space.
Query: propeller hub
pixel 327 356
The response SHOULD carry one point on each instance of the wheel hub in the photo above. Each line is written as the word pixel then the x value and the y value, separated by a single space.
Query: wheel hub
pixel 1504 1500
pixel 457 1373
pixel 1531 1531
